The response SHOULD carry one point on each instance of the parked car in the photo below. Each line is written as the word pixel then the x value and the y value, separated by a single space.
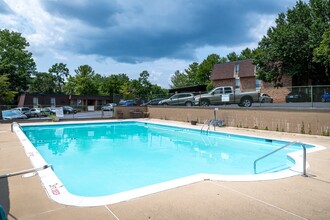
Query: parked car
pixel 297 97
pixel 69 110
pixel 48 111
pixel 153 102
pixel 36 112
pixel 24 110
pixel 13 114
pixel 227 95
pixel 127 103
pixel 109 107
pixel 265 98
pixel 187 99
pixel 325 97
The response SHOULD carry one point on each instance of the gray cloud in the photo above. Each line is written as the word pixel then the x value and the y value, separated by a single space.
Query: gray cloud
pixel 4 9
pixel 94 13
pixel 146 30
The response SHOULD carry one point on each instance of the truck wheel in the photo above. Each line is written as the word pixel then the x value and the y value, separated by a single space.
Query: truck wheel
pixel 246 102
pixel 188 104
pixel 205 102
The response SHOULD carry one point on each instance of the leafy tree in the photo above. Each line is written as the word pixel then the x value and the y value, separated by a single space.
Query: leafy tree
pixel 16 62
pixel 179 79
pixel 83 83
pixel 289 47
pixel 158 92
pixel 144 84
pixel 205 68
pixel 192 73
pixel 60 73
pixel 246 54
pixel 6 95
pixel 232 57
pixel 322 53
pixel 70 87
pixel 111 84
pixel 43 83
pixel 127 90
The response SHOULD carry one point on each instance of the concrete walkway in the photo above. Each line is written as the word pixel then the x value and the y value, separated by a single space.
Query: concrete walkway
pixel 291 198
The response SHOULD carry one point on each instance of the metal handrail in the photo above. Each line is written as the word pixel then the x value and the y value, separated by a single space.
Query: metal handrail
pixel 26 171
pixel 287 145
pixel 204 125
pixel 12 126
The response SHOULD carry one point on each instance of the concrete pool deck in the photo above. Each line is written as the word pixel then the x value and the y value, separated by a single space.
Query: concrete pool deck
pixel 290 198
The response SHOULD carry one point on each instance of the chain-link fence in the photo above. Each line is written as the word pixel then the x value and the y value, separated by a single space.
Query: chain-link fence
pixel 299 97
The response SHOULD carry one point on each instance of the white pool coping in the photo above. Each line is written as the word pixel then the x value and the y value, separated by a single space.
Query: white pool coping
pixel 57 191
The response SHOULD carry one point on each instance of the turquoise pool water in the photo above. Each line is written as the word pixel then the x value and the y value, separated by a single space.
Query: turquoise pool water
pixel 106 158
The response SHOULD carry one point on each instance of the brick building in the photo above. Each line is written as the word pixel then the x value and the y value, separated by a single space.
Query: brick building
pixel 241 75
pixel 77 101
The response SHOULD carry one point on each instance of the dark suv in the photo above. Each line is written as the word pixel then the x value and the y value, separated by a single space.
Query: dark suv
pixel 69 110
pixel 186 99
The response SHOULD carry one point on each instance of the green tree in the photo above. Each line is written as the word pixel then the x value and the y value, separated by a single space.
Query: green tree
pixel 60 73
pixel 111 84
pixel 144 84
pixel 85 81
pixel 322 53
pixel 205 68
pixel 70 87
pixel 15 60
pixel 179 79
pixel 6 95
pixel 43 83
pixel 158 92
pixel 192 73
pixel 289 47
pixel 128 90
pixel 232 57
pixel 246 54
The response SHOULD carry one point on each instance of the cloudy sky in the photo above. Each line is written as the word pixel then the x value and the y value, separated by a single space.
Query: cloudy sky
pixel 129 36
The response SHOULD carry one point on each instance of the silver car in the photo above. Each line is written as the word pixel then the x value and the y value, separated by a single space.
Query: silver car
pixel 265 98
pixel 109 107
pixel 187 99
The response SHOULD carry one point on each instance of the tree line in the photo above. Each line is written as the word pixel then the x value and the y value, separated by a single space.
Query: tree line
pixel 298 46
pixel 18 74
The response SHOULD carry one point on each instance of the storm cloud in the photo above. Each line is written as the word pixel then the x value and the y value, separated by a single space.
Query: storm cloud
pixel 147 30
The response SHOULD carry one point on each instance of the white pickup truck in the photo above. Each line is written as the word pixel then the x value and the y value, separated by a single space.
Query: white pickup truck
pixel 226 94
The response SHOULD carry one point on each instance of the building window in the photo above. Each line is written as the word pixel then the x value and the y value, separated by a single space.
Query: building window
pixel 35 102
pixel 52 102
pixel 258 84
pixel 236 71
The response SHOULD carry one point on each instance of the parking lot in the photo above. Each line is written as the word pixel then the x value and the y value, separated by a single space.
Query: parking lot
pixel 110 114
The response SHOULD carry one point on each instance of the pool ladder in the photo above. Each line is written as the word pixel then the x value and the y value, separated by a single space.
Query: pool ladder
pixel 211 122
pixel 287 145
pixel 26 171
pixel 208 125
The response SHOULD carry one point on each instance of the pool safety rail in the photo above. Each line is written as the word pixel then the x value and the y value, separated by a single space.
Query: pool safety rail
pixel 26 171
pixel 12 126
pixel 287 145
pixel 211 122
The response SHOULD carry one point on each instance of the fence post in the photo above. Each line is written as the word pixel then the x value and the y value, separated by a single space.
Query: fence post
pixel 312 95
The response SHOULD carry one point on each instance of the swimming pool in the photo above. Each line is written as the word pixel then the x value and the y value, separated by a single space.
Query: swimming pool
pixel 101 163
